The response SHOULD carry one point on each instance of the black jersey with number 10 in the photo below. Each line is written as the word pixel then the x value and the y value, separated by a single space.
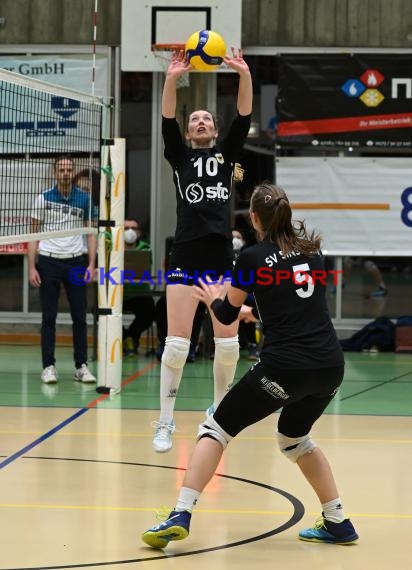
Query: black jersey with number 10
pixel 203 180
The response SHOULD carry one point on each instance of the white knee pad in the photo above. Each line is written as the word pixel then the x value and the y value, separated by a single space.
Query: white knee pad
pixel 295 447
pixel 176 351
pixel 213 430
pixel 227 350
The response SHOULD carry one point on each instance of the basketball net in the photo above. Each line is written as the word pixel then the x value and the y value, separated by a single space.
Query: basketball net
pixel 163 53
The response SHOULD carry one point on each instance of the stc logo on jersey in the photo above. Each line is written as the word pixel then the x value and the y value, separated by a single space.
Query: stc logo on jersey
pixel 196 193
pixel 364 88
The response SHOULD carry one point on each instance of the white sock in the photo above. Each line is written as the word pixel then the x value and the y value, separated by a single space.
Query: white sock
pixel 333 511
pixel 187 499
pixel 224 366
pixel 170 377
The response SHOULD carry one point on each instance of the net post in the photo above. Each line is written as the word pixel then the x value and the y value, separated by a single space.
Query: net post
pixel 110 255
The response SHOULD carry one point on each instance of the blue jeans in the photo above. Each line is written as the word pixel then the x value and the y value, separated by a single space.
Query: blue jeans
pixel 53 272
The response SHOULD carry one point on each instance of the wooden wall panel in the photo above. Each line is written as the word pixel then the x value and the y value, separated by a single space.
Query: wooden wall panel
pixel 46 22
pixel 250 21
pixel 317 23
pixel 330 23
pixel 17 26
pixel 59 22
pixel 292 20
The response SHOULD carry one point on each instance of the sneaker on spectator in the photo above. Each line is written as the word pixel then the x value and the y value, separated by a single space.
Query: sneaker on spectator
pixel 253 352
pixel 191 357
pixel 49 375
pixel 162 440
pixel 84 375
pixel 129 348
pixel 175 527
pixel 330 532
pixel 159 352
pixel 379 292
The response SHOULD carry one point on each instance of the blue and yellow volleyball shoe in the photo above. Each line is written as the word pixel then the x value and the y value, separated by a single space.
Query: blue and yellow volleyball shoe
pixel 175 527
pixel 330 532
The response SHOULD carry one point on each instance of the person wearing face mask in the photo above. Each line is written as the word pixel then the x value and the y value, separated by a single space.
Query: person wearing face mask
pixel 142 307
pixel 237 241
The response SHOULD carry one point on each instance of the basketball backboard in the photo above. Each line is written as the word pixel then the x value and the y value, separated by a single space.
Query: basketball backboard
pixel 149 22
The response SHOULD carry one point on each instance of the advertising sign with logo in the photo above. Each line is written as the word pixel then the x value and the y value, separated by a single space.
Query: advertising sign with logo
pixel 66 71
pixel 38 119
pixel 345 100
pixel 360 205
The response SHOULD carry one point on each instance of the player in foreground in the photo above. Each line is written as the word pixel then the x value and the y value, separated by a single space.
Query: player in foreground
pixel 202 173
pixel 300 370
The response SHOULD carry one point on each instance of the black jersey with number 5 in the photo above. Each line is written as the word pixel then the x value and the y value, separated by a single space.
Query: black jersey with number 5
pixel 290 296
pixel 203 180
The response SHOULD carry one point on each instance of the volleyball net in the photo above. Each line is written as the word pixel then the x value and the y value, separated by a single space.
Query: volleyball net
pixel 40 123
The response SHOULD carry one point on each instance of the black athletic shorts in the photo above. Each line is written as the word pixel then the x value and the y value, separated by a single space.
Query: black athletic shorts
pixel 210 255
pixel 303 396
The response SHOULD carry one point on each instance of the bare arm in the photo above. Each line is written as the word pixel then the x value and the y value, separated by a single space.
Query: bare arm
pixel 177 67
pixel 92 251
pixel 245 91
pixel 34 277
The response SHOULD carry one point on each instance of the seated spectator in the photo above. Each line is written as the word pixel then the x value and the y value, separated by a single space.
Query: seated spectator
pixel 247 330
pixel 272 127
pixel 161 325
pixel 135 301
pixel 88 180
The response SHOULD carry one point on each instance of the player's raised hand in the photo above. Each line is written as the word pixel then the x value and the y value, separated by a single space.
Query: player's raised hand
pixel 236 62
pixel 178 64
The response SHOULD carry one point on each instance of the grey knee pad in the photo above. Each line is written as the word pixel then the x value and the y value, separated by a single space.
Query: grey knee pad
pixel 176 351
pixel 213 430
pixel 227 350
pixel 370 265
pixel 295 447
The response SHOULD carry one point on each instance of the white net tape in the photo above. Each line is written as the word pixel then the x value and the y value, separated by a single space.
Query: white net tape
pixel 164 55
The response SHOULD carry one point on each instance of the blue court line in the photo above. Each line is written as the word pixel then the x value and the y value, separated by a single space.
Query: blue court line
pixel 70 419
pixel 42 438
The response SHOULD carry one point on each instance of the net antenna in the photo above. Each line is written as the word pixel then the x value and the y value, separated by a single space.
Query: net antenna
pixel 94 43
pixel 164 53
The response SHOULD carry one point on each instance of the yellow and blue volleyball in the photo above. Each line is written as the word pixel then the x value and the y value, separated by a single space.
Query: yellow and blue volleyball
pixel 205 50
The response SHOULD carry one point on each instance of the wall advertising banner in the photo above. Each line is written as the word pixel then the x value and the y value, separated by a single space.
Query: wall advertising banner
pixel 362 206
pixel 345 100
pixel 36 118
pixel 66 71
pixel 44 121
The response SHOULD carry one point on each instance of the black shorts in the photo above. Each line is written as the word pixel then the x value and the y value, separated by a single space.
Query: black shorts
pixel 210 255
pixel 303 396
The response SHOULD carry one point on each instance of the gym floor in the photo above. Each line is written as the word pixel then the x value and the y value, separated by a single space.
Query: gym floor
pixel 80 482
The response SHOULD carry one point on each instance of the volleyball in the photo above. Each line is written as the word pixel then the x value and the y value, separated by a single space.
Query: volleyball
pixel 205 50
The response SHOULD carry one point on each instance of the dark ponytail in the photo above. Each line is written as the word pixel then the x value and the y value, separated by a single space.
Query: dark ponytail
pixel 272 207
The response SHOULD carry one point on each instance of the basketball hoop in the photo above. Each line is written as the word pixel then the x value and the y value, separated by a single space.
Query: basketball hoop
pixel 163 53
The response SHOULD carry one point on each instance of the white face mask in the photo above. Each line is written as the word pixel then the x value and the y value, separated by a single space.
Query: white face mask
pixel 130 236
pixel 237 243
